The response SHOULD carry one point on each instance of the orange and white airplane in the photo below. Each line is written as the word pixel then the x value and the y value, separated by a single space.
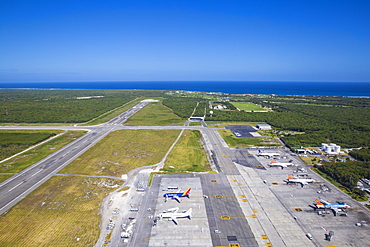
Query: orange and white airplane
pixel 282 165
pixel 302 181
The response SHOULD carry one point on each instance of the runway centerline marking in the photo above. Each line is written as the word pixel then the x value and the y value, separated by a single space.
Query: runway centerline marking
pixel 36 173
pixel 16 186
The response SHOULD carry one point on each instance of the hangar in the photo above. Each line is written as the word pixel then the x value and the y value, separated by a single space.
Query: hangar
pixel 263 126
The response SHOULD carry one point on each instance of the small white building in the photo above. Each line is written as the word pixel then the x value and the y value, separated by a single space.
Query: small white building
pixel 219 107
pixel 330 148
pixel 263 126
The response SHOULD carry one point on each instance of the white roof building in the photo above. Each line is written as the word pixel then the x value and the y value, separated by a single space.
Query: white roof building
pixel 263 126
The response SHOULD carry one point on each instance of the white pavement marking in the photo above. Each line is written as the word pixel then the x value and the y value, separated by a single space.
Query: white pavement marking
pixel 36 173
pixel 16 186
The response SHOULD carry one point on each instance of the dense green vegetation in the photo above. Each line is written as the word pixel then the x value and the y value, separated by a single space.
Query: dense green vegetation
pixel 362 154
pixel 201 109
pixel 12 142
pixel 184 107
pixel 348 174
pixel 341 120
pixel 63 106
pixel 344 121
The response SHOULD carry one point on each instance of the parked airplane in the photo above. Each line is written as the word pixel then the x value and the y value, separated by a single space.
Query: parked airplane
pixel 302 181
pixel 260 153
pixel 320 203
pixel 176 195
pixel 282 165
pixel 173 215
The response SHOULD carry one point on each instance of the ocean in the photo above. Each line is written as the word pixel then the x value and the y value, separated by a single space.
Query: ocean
pixel 348 89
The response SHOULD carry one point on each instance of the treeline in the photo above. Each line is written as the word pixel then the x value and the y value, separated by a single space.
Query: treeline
pixel 348 173
pixel 346 124
pixel 63 106
pixel 184 106
pixel 362 154
pixel 202 109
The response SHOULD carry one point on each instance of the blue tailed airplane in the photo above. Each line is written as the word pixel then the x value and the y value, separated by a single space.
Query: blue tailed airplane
pixel 177 195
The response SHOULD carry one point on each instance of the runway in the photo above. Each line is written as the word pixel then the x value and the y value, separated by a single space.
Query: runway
pixel 20 185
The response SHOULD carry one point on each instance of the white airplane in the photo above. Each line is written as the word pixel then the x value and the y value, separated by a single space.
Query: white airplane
pixel 335 207
pixel 302 181
pixel 282 165
pixel 260 153
pixel 172 214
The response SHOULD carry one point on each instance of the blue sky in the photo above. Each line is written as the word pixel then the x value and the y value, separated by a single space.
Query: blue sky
pixel 56 41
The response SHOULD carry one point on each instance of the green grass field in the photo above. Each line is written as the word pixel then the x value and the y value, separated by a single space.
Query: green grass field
pixel 195 124
pixel 36 154
pixel 122 151
pixel 154 114
pixel 64 211
pixel 187 155
pixel 247 106
pixel 15 141
pixel 4 177
pixel 246 142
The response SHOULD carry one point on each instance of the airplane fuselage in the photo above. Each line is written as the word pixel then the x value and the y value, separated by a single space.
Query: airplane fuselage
pixel 331 206
pixel 177 195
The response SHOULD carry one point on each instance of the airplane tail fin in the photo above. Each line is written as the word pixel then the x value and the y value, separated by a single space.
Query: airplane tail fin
pixel 290 176
pixel 189 212
pixel 272 161
pixel 318 202
pixel 187 192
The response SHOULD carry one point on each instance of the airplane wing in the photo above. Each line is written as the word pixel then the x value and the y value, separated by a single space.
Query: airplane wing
pixel 303 183
pixel 174 220
pixel 335 211
pixel 176 198
pixel 173 210
pixel 323 201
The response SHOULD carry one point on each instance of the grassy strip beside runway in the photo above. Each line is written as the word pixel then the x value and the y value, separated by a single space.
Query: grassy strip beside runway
pixel 4 177
pixel 64 211
pixel 188 155
pixel 36 154
pixel 123 150
pixel 154 114
pixel 14 141
pixel 112 114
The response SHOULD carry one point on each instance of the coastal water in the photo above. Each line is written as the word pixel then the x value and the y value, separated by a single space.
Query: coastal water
pixel 350 89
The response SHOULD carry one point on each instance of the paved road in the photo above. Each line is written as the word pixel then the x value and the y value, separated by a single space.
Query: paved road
pixel 19 186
